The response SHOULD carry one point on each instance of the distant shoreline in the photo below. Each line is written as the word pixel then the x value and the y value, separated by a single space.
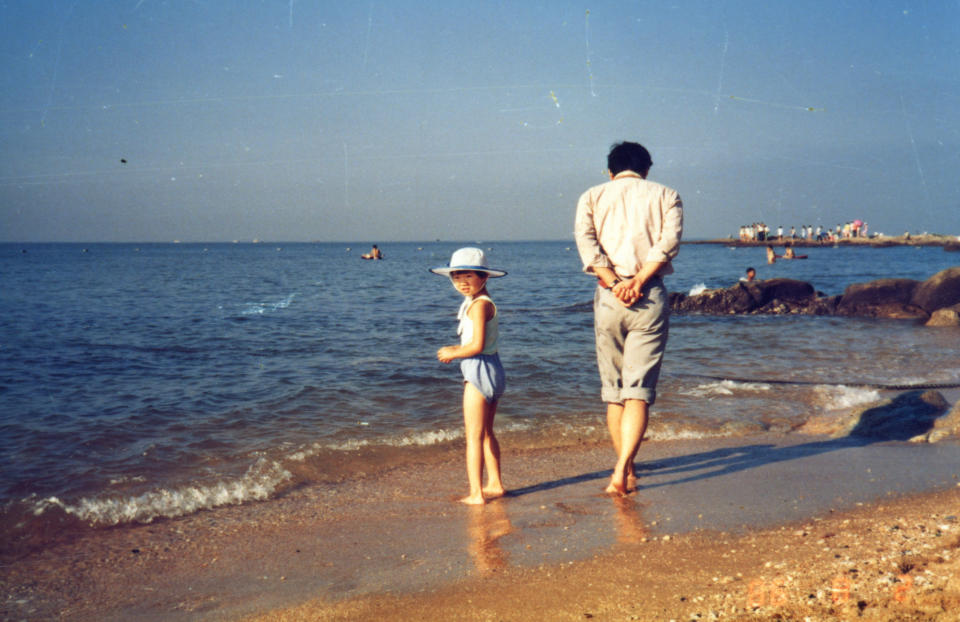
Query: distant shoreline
pixel 950 242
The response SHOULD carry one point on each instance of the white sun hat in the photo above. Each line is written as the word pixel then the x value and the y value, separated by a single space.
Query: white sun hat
pixel 468 259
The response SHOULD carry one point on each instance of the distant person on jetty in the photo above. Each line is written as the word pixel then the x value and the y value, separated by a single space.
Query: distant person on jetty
pixel 483 377
pixel 627 231
pixel 750 276
pixel 375 253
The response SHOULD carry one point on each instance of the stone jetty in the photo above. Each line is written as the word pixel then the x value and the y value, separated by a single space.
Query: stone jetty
pixel 934 302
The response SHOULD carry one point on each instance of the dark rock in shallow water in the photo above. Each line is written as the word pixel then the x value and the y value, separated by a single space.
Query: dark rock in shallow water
pixel 890 298
pixel 884 298
pixel 939 291
pixel 769 296
pixel 826 305
pixel 907 416
pixel 785 290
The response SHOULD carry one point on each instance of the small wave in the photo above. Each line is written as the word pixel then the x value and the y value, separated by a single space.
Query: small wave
pixel 259 308
pixel 424 438
pixel 683 431
pixel 415 439
pixel 429 437
pixel 260 482
pixel 698 289
pixel 725 388
pixel 841 397
pixel 671 433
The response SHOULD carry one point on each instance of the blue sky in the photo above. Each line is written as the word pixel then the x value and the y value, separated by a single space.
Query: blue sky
pixel 294 120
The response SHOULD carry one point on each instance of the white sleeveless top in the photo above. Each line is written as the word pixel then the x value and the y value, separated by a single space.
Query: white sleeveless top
pixel 491 332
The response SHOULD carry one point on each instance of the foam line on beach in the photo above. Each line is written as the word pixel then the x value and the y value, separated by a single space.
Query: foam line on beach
pixel 259 483
pixel 909 386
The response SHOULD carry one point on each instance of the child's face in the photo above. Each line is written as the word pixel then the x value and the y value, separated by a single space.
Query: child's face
pixel 468 282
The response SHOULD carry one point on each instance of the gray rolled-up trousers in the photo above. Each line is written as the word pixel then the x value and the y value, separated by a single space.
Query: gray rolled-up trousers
pixel 630 343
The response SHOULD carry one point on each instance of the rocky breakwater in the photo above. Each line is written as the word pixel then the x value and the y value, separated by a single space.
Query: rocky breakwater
pixel 936 301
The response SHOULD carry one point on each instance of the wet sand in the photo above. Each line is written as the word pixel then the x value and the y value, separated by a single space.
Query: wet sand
pixel 892 561
pixel 721 525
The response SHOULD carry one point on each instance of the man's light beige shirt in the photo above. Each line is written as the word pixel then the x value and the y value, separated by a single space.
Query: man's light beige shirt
pixel 627 222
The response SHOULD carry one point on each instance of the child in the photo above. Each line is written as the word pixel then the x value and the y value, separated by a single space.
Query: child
pixel 483 376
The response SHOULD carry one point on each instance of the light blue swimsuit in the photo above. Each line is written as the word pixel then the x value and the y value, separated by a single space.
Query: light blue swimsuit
pixel 484 371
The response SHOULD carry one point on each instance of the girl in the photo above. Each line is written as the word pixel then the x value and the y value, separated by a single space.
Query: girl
pixel 483 376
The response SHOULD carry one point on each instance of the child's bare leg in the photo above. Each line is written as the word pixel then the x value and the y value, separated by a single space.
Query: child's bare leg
pixel 491 453
pixel 633 417
pixel 473 427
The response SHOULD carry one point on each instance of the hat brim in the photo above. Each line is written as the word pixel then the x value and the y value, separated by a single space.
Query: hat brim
pixel 445 270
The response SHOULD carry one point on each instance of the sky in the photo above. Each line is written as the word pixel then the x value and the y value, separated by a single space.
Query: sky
pixel 309 120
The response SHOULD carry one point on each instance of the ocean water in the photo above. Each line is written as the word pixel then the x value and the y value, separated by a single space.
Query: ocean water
pixel 158 380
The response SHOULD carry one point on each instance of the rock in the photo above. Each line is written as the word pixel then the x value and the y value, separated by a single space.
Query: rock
pixel 952 247
pixel 939 291
pixel 884 298
pixel 888 298
pixel 785 290
pixel 906 416
pixel 947 426
pixel 833 425
pixel 948 316
pixel 735 299
pixel 770 296
pixel 826 305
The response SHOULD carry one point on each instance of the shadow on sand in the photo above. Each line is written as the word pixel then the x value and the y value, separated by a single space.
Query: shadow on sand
pixel 906 416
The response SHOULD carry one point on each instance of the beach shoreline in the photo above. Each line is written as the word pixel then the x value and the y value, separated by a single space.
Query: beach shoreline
pixel 891 560
pixel 398 539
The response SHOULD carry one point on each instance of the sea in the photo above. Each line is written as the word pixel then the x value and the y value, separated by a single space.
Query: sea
pixel 148 381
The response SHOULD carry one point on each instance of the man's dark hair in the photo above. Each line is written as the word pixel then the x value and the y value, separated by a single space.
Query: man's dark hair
pixel 628 156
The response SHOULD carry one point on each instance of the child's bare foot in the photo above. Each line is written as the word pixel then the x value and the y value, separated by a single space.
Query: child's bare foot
pixel 473 499
pixel 494 492
pixel 631 482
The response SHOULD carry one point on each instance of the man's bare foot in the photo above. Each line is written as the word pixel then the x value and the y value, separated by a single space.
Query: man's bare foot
pixel 473 500
pixel 617 489
pixel 631 482
pixel 494 492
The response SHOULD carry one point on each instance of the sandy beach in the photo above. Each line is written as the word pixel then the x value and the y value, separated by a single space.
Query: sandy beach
pixel 896 560
pixel 807 527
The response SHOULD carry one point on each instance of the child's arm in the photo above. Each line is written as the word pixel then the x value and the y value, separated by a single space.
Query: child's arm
pixel 479 313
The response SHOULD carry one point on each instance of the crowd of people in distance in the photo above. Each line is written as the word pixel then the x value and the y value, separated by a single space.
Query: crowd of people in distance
pixel 761 232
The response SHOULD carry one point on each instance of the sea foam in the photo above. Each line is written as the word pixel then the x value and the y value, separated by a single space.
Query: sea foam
pixel 259 482
pixel 841 397
pixel 725 388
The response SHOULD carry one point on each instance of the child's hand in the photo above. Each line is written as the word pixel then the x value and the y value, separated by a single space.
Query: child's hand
pixel 446 354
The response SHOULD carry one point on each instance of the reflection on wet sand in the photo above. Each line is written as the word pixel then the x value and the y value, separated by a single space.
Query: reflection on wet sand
pixel 628 524
pixel 486 524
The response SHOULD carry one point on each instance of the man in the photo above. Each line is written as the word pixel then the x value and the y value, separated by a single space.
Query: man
pixel 627 231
